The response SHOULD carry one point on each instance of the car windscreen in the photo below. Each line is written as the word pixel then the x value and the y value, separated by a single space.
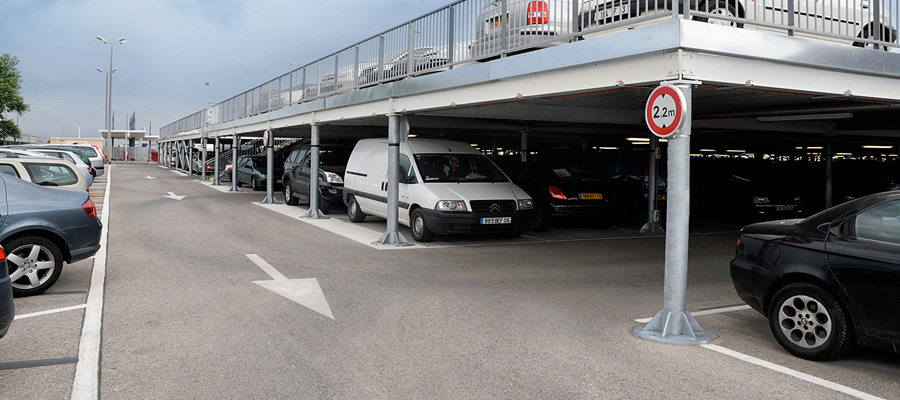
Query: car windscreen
pixel 86 150
pixel 50 174
pixel 458 168
pixel 334 155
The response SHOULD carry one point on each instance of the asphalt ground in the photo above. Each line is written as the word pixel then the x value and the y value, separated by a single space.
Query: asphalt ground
pixel 545 316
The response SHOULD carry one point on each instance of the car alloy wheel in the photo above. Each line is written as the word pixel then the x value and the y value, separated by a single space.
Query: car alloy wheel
pixel 809 322
pixel 719 7
pixel 34 264
pixel 289 197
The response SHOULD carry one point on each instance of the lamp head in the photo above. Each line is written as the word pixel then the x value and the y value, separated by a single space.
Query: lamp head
pixel 100 38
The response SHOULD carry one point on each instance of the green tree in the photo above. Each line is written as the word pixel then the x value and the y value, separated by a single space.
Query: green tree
pixel 10 99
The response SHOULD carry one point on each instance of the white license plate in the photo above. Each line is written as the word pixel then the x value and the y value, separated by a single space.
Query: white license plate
pixel 498 220
pixel 612 12
pixel 784 208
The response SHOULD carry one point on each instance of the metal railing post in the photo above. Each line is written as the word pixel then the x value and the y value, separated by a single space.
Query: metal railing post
pixel 504 25
pixel 355 76
pixel 411 46
pixel 791 20
pixel 451 36
pixel 380 70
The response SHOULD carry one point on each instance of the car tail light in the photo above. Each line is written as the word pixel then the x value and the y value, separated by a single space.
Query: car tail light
pixel 2 254
pixel 556 193
pixel 89 208
pixel 538 13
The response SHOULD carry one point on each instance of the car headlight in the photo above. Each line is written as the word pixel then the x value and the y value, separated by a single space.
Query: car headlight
pixel 450 205
pixel 760 200
pixel 798 199
pixel 331 177
pixel 526 204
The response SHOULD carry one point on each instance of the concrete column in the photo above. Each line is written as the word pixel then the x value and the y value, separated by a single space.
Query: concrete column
pixel 314 211
pixel 673 324
pixel 392 236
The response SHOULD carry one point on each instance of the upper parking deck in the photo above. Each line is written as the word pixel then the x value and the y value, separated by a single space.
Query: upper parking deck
pixel 824 52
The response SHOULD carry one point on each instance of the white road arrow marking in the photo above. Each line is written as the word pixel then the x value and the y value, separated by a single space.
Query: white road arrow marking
pixel 174 196
pixel 305 292
pixel 149 177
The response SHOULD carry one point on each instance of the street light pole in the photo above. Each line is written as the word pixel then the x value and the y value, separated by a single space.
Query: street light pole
pixel 109 92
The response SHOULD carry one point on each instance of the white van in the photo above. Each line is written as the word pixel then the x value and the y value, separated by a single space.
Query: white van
pixel 446 187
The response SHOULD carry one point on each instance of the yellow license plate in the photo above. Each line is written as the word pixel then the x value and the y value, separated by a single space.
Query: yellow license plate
pixel 495 23
pixel 591 196
pixel 661 197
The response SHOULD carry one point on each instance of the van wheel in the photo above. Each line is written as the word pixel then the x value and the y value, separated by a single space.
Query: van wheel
pixel 420 232
pixel 353 211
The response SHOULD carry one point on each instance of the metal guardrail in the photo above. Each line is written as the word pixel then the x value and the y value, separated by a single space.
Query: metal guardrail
pixel 468 31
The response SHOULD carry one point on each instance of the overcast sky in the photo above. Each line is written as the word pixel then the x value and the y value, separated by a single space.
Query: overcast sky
pixel 173 48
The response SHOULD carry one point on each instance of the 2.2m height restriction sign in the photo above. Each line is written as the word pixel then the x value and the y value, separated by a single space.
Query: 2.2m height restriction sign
pixel 665 110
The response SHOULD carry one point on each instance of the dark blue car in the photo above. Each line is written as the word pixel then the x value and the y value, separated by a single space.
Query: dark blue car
pixel 40 228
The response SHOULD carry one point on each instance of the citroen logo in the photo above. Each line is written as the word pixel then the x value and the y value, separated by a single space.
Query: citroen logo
pixel 495 208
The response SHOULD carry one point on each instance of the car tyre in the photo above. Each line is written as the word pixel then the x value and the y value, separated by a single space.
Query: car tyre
pixel 867 34
pixel 34 264
pixel 324 206
pixel 289 197
pixel 417 225
pixel 541 220
pixel 719 7
pixel 353 211
pixel 809 322
pixel 253 183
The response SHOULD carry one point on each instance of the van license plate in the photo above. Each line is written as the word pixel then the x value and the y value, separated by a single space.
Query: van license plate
pixel 494 221
pixel 784 208
pixel 591 196
pixel 612 12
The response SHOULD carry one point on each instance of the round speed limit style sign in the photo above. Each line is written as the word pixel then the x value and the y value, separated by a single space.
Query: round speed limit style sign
pixel 665 110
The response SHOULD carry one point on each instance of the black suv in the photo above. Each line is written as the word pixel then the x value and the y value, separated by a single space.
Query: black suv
pixel 332 164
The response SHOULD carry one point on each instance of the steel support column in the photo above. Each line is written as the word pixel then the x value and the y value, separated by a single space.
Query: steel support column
pixel 270 167
pixel 652 226
pixel 392 237
pixel 190 157
pixel 216 164
pixel 673 324
pixel 827 155
pixel 203 144
pixel 314 211
pixel 235 146
pixel 524 152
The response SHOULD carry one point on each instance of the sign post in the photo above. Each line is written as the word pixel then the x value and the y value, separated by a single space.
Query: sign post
pixel 669 115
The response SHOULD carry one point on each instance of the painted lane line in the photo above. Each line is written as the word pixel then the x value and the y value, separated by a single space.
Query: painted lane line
pixel 48 312
pixel 86 385
pixel 704 312
pixel 266 267
pixel 794 373
pixel 174 196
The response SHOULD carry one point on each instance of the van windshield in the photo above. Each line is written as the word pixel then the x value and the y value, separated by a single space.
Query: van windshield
pixel 458 168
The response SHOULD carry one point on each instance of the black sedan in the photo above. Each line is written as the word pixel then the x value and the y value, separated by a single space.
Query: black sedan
pixel 827 282
pixel 40 228
pixel 563 190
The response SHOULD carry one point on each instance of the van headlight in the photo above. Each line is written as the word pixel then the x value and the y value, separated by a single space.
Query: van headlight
pixel 331 177
pixel 450 205
pixel 526 204
pixel 760 200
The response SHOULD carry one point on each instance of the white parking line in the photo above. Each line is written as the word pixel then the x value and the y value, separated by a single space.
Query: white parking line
pixel 87 372
pixel 48 312
pixel 797 374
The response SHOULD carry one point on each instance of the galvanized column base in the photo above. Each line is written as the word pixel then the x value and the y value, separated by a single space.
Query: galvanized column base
pixel 234 188
pixel 315 213
pixel 392 239
pixel 269 200
pixel 674 328
pixel 652 228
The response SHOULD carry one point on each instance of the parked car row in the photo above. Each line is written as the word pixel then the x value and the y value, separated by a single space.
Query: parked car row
pixel 95 156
